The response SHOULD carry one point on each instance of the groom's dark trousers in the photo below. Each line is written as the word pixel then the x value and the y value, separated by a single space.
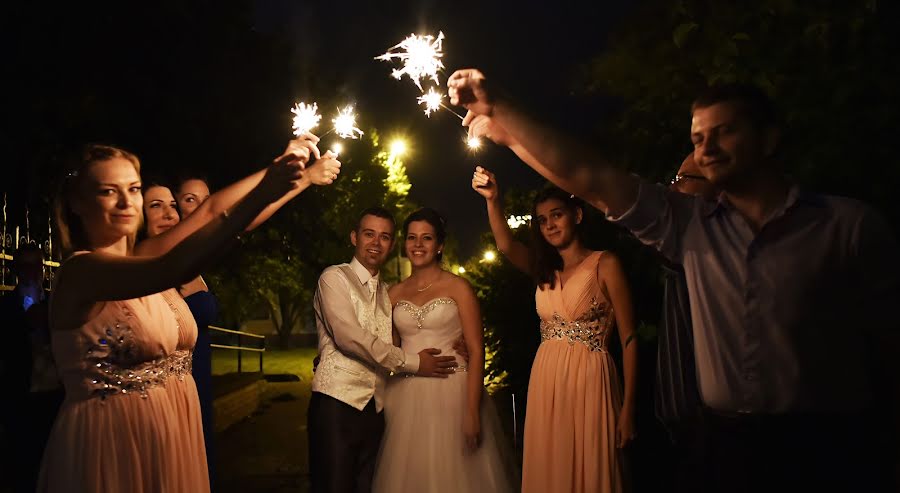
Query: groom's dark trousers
pixel 343 445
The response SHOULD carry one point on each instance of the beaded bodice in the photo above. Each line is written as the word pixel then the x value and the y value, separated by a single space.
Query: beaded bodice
pixel 130 347
pixel 435 324
pixel 577 311
pixel 589 329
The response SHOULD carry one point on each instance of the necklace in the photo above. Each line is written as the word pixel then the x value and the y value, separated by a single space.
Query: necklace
pixel 429 285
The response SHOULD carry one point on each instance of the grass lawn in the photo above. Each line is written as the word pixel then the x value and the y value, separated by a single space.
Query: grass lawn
pixel 275 361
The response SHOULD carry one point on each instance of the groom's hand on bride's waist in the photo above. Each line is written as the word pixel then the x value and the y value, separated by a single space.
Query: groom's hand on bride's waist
pixel 432 365
pixel 461 349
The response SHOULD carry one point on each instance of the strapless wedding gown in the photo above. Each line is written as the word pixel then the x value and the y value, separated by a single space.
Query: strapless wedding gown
pixel 423 449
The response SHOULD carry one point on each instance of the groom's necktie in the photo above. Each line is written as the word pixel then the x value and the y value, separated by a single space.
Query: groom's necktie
pixel 373 290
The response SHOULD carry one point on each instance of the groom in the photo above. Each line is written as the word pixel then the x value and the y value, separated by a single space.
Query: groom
pixel 353 320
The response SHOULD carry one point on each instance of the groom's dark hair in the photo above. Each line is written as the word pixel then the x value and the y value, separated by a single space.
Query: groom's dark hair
pixel 377 212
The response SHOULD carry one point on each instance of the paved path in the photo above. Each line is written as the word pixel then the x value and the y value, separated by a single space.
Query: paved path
pixel 267 452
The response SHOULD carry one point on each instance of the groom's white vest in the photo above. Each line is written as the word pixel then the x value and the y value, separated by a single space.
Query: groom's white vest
pixel 353 365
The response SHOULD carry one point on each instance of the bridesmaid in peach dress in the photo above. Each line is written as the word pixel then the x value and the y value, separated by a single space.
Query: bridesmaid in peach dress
pixel 122 337
pixel 577 420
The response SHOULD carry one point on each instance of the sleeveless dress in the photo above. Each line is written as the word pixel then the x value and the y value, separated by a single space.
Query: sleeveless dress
pixel 131 418
pixel 423 448
pixel 574 394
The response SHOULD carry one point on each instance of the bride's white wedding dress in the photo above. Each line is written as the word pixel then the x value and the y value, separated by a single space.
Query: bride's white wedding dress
pixel 423 449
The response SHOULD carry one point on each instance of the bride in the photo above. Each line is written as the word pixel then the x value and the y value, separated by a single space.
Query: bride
pixel 440 434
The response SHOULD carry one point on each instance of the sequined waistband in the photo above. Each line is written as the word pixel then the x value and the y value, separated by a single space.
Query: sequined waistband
pixel 458 369
pixel 112 379
pixel 586 332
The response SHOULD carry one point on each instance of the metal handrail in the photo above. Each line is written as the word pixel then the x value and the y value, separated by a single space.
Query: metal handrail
pixel 230 331
pixel 7 257
pixel 240 348
pixel 48 263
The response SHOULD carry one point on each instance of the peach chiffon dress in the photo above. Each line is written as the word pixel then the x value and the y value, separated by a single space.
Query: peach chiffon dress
pixel 131 418
pixel 574 394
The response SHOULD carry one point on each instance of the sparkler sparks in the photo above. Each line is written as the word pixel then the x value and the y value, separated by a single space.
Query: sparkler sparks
pixel 432 101
pixel 345 124
pixel 421 57
pixel 306 118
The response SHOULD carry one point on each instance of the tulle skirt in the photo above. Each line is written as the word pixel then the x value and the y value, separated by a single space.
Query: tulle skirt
pixel 423 449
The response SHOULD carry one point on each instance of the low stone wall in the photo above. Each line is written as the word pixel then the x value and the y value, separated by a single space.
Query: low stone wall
pixel 239 398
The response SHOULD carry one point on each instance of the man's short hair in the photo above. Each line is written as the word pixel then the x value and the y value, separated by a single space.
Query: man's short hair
pixel 376 211
pixel 756 105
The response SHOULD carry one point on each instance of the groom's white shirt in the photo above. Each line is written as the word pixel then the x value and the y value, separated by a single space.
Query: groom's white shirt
pixel 356 350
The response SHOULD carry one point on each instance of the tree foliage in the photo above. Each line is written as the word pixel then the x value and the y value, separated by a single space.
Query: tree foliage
pixel 277 267
pixel 829 68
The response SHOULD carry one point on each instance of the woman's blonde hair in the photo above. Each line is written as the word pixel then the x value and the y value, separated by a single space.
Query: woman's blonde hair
pixel 69 229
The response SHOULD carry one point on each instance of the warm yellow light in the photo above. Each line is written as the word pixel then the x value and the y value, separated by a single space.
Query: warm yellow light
pixel 398 147
pixel 489 256
pixel 337 148
pixel 473 143
pixel 461 270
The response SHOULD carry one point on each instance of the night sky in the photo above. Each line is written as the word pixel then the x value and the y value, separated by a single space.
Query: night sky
pixel 207 86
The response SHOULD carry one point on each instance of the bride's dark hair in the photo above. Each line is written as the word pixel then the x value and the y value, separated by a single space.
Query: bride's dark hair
pixel 433 218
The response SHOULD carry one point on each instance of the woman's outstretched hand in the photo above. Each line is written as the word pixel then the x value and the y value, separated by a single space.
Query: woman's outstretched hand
pixel 325 170
pixel 300 150
pixel 484 182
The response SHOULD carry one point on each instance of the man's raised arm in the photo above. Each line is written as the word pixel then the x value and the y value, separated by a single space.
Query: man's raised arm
pixel 571 165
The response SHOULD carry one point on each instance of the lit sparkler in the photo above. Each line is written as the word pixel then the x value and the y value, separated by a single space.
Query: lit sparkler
pixel 345 124
pixel 421 57
pixel 306 118
pixel 432 101
pixel 474 143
